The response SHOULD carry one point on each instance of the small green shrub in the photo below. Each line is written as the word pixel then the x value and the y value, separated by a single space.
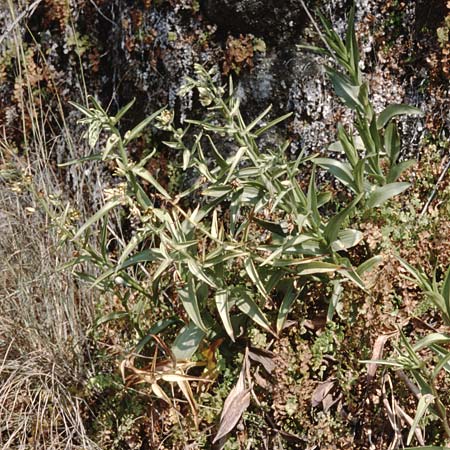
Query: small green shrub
pixel 372 147
pixel 236 247
pixel 252 234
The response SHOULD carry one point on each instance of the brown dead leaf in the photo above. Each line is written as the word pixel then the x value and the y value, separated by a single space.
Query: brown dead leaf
pixel 323 395
pixel 264 357
pixel 235 404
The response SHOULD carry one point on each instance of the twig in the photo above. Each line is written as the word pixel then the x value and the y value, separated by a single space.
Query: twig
pixel 103 15
pixel 433 193
pixel 28 12
pixel 316 26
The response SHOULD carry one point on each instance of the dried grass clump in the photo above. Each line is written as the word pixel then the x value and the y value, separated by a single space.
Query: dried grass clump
pixel 44 313
pixel 44 316
pixel 37 408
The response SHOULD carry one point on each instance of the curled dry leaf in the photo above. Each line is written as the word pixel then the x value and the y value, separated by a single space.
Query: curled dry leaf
pixel 235 404
pixel 323 395
pixel 169 370
pixel 264 357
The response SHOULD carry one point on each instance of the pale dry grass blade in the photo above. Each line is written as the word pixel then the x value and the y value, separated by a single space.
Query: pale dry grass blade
pixel 44 313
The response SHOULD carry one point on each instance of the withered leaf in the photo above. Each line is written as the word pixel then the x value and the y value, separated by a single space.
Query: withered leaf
pixel 264 357
pixel 322 391
pixel 234 406
pixel 377 353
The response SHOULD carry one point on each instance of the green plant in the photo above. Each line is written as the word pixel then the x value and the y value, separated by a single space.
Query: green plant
pixel 412 358
pixel 439 295
pixel 425 372
pixel 372 148
pixel 251 235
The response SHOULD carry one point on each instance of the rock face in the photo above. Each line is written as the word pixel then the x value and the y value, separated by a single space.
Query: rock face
pixel 275 20
pixel 144 49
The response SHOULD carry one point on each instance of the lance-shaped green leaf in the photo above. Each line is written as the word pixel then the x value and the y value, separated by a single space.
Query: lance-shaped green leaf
pixel 341 170
pixel 392 142
pixel 311 204
pixel 199 273
pixel 217 190
pixel 156 328
pixel 348 93
pixel 353 276
pixel 272 123
pixel 334 225
pixel 188 297
pixel 443 363
pixel 383 193
pixel 274 227
pixel 247 305
pixel 235 161
pixel 420 277
pixel 122 111
pixel 97 216
pixel 306 267
pixel 347 145
pixel 288 300
pixel 116 315
pixel 422 407
pixel 368 265
pixel 431 339
pixel 137 130
pixel 347 239
pixel 187 341
pixel 446 292
pixel 253 274
pixel 351 46
pixel 443 353
pixel 396 110
pixel 147 176
pixel 335 299
pixel 223 306
pixel 397 169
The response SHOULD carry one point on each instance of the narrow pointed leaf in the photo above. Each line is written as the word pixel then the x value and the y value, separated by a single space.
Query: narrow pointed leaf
pixel 199 273
pixel 446 291
pixel 112 316
pixel 147 176
pixel 187 341
pixel 392 142
pixel 223 306
pixel 246 304
pixel 383 193
pixel 345 90
pixel 137 130
pixel 341 170
pixel 396 110
pixel 334 225
pixel 422 407
pixel 396 170
pixel 253 274
pixel 97 216
pixel 288 300
pixel 431 339
pixel 272 123
pixel 188 297
pixel 347 239
pixel 368 265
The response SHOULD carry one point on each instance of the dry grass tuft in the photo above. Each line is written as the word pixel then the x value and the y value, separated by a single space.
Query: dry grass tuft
pixel 44 316
pixel 44 313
